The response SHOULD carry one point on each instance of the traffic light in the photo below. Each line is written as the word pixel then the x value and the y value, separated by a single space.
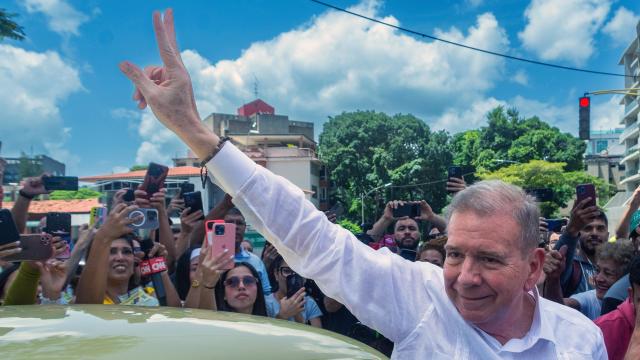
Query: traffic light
pixel 585 117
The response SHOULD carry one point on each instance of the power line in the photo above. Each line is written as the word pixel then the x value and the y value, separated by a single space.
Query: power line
pixel 426 183
pixel 470 47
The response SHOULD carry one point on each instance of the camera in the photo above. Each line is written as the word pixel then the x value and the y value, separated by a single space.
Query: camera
pixel 148 219
pixel 219 230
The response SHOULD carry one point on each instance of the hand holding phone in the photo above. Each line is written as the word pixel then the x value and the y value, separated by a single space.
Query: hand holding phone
pixel 59 224
pixel 221 236
pixel 35 247
pixel 147 219
pixel 584 191
pixel 154 179
pixel 411 210
pixel 454 175
pixel 193 201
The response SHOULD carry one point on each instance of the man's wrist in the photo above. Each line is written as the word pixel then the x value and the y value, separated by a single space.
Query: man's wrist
pixel 25 195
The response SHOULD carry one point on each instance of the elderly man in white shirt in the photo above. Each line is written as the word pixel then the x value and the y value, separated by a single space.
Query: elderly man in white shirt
pixel 482 305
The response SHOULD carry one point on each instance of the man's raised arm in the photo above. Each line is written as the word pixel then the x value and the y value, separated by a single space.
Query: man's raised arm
pixel 344 268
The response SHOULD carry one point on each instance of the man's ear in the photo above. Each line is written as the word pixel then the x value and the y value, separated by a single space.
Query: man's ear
pixel 535 263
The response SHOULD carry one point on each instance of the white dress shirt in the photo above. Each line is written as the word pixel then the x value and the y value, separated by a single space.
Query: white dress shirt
pixel 405 301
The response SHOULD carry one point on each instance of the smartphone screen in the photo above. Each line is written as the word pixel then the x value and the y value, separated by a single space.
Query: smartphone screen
pixel 69 183
pixel 407 210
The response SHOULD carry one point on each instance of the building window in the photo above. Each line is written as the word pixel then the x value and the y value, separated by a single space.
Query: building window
pixel 601 145
pixel 315 191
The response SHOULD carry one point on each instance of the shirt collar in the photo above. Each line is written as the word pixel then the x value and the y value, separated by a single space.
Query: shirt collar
pixel 243 254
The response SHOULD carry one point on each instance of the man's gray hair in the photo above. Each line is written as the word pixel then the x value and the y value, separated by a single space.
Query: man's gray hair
pixel 493 197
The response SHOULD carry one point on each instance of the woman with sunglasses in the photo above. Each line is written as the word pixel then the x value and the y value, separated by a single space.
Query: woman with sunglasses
pixel 239 291
pixel 281 304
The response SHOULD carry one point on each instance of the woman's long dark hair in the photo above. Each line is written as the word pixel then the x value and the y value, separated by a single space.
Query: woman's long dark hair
pixel 129 239
pixel 259 307
pixel 183 268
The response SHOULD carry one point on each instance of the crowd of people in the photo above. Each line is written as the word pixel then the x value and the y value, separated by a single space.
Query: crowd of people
pixel 490 279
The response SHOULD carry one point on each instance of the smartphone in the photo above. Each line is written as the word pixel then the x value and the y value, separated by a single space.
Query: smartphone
pixel 542 195
pixel 187 187
pixel 193 200
pixel 295 282
pixel 69 183
pixel 148 219
pixel 59 224
pixel 453 172
pixel 410 210
pixel 584 191
pixel 555 225
pixel 35 247
pixel 129 196
pixel 221 236
pixel 154 179
pixel 8 229
pixel 97 216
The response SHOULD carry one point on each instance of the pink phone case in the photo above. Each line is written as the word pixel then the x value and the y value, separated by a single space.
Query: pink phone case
pixel 218 243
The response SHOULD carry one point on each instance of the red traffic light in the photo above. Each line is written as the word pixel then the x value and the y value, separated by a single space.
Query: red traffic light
pixel 585 101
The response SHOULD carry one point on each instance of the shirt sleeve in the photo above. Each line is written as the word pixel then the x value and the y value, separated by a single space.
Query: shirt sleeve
pixel 583 299
pixel 311 309
pixel 354 274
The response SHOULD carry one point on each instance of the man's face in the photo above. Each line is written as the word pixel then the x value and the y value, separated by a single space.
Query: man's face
pixel 592 235
pixel 486 275
pixel 607 274
pixel 406 234
pixel 241 226
pixel 432 256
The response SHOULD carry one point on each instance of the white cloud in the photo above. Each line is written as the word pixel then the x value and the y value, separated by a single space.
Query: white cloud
pixel 622 27
pixel 159 144
pixel 459 119
pixel 563 30
pixel 606 115
pixel 62 18
pixel 336 63
pixel 122 113
pixel 474 116
pixel 33 86
pixel 119 169
pixel 474 3
pixel 520 77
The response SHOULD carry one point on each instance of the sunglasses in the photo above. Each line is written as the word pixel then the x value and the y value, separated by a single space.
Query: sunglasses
pixel 286 271
pixel 234 281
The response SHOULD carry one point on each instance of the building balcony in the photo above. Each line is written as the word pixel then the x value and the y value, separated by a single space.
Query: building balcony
pixel 632 149
pixel 630 132
pixel 631 108
pixel 632 155
pixel 631 178
pixel 290 152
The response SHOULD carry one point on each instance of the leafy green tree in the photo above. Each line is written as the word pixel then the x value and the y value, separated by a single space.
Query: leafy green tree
pixel 82 193
pixel 367 149
pixel 351 226
pixel 139 167
pixel 9 28
pixel 543 174
pixel 509 138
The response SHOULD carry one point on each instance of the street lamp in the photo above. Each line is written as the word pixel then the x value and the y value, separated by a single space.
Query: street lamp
pixel 367 193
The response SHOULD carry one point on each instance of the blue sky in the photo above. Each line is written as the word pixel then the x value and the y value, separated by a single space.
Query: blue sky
pixel 63 95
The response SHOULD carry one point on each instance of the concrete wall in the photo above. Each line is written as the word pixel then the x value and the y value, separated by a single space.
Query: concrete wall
pixel 298 171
